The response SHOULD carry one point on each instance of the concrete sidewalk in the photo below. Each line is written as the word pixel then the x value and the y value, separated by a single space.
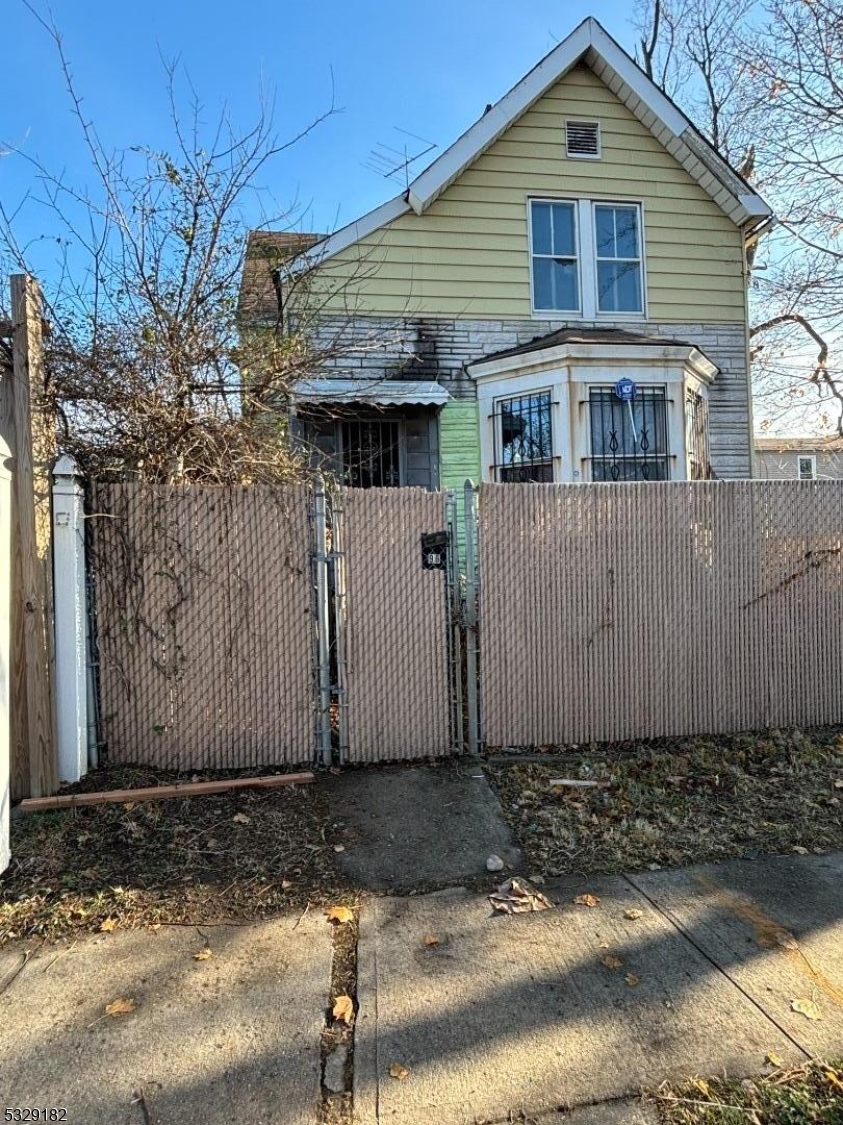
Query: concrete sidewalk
pixel 235 1037
pixel 669 974
pixel 578 1005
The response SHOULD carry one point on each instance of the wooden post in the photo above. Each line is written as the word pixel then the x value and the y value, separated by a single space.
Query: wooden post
pixel 5 648
pixel 29 434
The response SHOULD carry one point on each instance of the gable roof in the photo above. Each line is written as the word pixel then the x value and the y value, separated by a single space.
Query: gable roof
pixel 588 43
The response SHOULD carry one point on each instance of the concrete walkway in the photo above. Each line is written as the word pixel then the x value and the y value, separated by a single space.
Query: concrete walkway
pixel 411 827
pixel 235 1037
pixel 669 975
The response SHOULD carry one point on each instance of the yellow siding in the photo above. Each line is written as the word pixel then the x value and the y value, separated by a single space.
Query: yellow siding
pixel 467 255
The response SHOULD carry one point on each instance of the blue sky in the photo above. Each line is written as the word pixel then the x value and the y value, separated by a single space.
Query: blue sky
pixel 429 69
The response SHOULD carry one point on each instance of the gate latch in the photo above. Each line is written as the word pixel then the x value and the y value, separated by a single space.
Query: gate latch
pixel 434 545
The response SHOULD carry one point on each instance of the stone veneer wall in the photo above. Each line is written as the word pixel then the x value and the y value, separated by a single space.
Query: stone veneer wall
pixel 439 348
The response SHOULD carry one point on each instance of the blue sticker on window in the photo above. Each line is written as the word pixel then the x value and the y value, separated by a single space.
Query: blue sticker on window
pixel 626 390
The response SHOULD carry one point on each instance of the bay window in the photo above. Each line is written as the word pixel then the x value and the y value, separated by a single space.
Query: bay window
pixel 524 439
pixel 629 439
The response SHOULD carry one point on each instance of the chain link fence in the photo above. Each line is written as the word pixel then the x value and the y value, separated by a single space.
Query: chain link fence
pixel 616 612
pixel 204 625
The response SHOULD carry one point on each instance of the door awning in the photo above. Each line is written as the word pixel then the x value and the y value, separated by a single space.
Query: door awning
pixel 375 392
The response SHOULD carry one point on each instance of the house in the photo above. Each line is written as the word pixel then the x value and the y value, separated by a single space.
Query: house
pixel 560 296
pixel 799 458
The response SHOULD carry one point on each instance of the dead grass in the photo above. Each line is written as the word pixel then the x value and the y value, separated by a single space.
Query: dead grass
pixel 676 802
pixel 234 857
pixel 807 1095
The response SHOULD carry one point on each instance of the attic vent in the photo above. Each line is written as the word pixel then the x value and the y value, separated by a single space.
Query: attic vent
pixel 583 139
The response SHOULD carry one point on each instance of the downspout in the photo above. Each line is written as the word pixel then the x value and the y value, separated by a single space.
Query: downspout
pixel 750 238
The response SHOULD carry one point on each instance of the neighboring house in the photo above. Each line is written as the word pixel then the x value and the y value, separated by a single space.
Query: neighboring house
pixel 799 458
pixel 580 233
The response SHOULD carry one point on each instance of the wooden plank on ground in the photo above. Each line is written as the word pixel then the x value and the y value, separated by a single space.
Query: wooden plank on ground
pixel 161 792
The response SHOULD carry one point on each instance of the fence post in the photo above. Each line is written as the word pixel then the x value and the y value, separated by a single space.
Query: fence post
pixel 323 639
pixel 28 431
pixel 455 620
pixel 5 650
pixel 70 610
pixel 340 613
pixel 471 634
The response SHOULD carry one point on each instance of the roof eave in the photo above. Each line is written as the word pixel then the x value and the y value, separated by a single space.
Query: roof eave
pixel 569 353
pixel 588 39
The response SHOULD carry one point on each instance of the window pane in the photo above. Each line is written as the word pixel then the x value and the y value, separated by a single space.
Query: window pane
pixel 542 238
pixel 616 231
pixel 620 470
pixel 628 440
pixel 524 439
pixel 619 287
pixel 555 284
pixel 604 226
pixel 563 230
pixel 626 232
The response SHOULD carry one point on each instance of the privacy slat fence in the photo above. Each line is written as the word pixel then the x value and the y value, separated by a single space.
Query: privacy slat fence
pixel 204 623
pixel 396 627
pixel 643 610
pixel 606 613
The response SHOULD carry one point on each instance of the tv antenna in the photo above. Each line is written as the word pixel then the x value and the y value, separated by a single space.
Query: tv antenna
pixel 394 163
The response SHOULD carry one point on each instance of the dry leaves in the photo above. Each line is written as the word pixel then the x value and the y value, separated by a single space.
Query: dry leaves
pixel 611 961
pixel 632 979
pixel 108 926
pixel 833 1079
pixel 806 1008
pixel 339 914
pixel 120 1007
pixel 202 954
pixel 344 1009
pixel 772 1059
pixel 517 896
pixel 431 939
pixel 586 900
pixel 632 915
pixel 241 818
pixel 398 1071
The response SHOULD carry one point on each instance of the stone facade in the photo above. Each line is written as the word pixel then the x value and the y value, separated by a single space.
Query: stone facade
pixel 440 348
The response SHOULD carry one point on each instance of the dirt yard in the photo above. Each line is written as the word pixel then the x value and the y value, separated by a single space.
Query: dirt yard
pixel 234 857
pixel 676 802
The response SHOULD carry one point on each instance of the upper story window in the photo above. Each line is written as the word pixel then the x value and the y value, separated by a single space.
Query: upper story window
pixel 618 247
pixel 807 468
pixel 555 269
pixel 586 258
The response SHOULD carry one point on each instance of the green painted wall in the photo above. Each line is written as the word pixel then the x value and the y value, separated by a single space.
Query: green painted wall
pixel 459 445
